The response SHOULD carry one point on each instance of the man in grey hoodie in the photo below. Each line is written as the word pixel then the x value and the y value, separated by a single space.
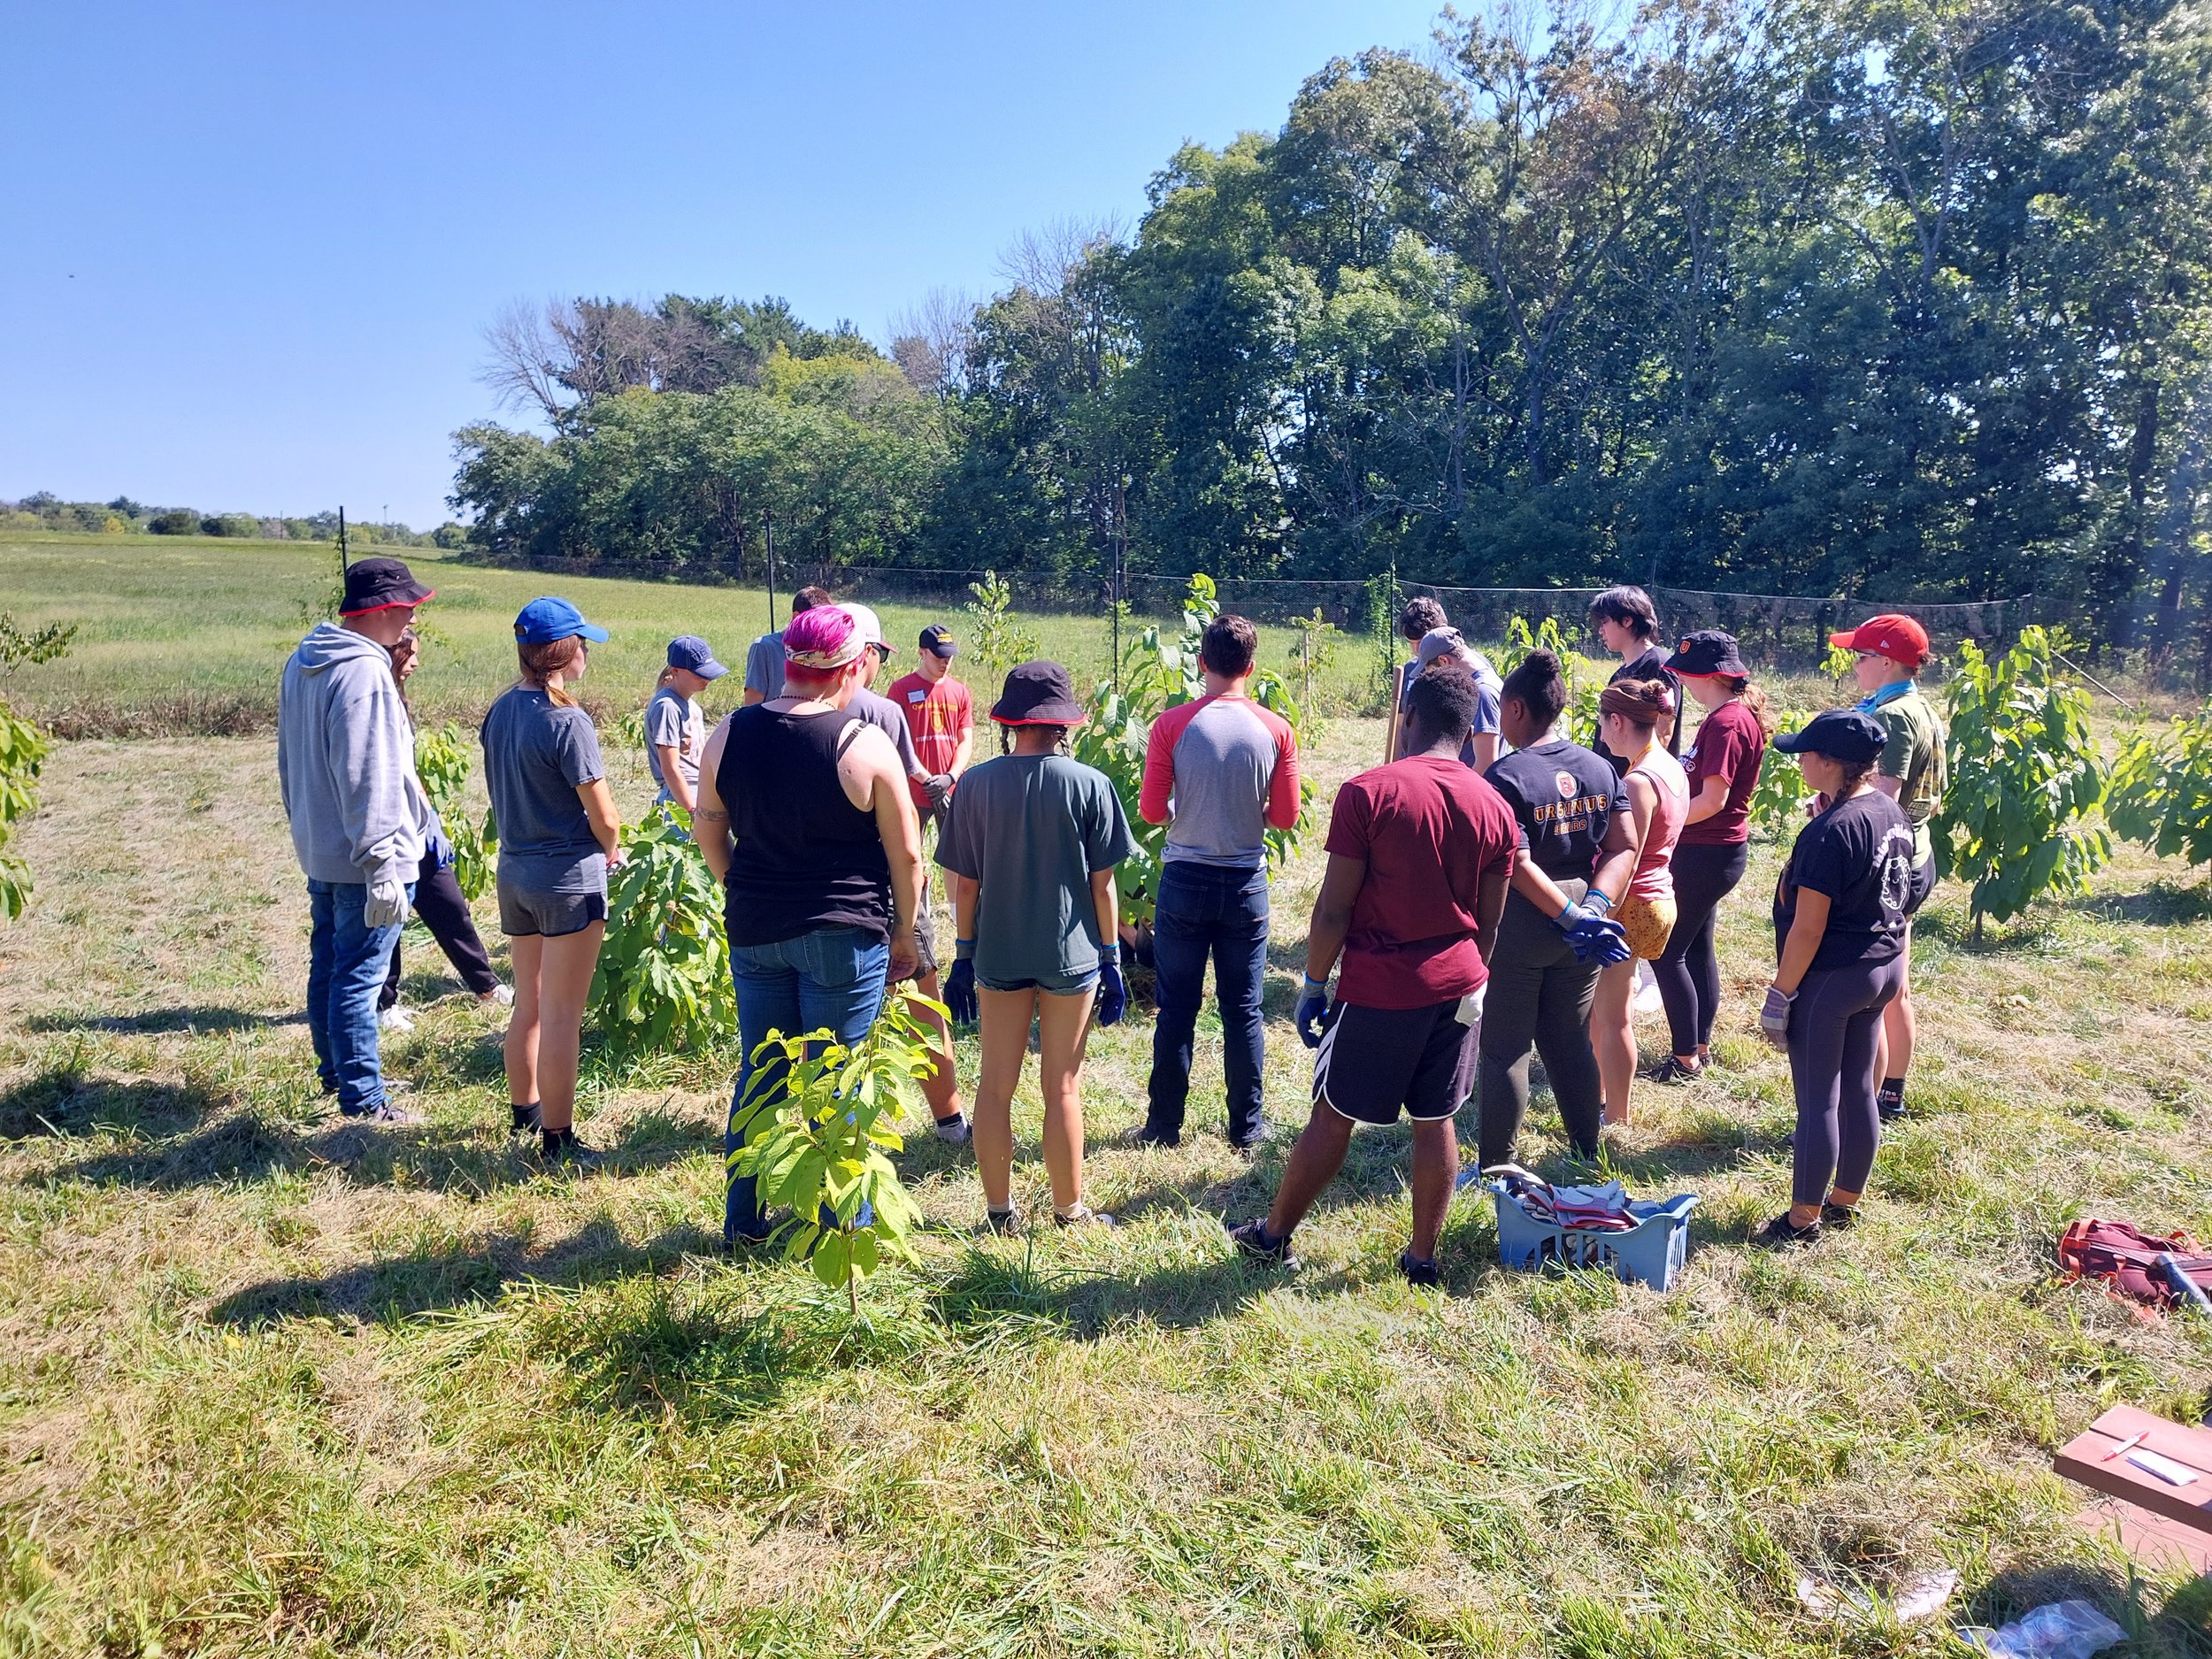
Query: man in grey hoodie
pixel 346 765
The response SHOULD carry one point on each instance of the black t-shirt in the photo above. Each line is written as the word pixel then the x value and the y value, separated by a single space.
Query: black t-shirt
pixel 1651 666
pixel 1564 798
pixel 1859 853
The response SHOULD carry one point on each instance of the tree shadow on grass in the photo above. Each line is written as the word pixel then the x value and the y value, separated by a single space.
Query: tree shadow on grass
pixel 196 1021
pixel 69 1103
pixel 2161 905
pixel 246 1147
pixel 404 1286
pixel 994 1294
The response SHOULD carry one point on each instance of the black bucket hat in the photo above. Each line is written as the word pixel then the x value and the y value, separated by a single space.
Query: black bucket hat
pixel 1706 652
pixel 1843 734
pixel 1038 693
pixel 379 584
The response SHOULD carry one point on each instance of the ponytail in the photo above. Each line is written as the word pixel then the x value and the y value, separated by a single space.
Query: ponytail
pixel 1755 700
pixel 539 662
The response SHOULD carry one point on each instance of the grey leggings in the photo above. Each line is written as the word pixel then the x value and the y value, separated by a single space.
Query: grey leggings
pixel 1538 998
pixel 1835 1026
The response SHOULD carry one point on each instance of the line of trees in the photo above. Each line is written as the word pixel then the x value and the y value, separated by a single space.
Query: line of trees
pixel 1889 297
pixel 45 511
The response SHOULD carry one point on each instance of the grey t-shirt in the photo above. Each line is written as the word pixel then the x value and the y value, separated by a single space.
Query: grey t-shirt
pixel 674 721
pixel 1033 829
pixel 536 755
pixel 764 665
pixel 887 718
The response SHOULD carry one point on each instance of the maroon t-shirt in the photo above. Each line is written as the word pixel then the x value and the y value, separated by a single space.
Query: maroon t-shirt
pixel 1729 745
pixel 1429 830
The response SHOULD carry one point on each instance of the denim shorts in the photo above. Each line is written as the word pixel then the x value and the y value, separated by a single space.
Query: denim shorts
pixel 523 911
pixel 1050 984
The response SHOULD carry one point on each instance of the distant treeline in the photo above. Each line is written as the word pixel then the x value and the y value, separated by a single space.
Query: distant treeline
pixel 45 511
pixel 1897 299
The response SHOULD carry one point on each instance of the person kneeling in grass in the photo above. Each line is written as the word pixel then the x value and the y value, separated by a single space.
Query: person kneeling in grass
pixel 1841 910
pixel 1420 852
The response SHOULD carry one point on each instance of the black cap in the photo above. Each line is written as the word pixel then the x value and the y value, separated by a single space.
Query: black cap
pixel 938 641
pixel 379 585
pixel 1843 734
pixel 1038 693
pixel 1708 651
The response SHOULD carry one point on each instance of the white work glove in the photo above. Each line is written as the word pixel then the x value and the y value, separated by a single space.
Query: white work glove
pixel 387 903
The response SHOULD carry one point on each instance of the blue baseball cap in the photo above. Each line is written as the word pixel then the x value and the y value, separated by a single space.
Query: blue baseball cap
pixel 688 651
pixel 542 622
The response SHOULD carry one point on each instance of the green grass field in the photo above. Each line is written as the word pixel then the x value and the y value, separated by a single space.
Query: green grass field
pixel 272 1386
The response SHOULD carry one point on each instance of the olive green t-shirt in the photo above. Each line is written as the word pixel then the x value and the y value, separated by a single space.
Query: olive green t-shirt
pixel 1914 756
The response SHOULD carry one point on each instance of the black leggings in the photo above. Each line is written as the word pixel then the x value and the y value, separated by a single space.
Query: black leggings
pixel 1835 1029
pixel 1688 970
pixel 438 901
pixel 1538 998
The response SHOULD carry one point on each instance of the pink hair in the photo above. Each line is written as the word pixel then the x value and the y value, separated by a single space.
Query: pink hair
pixel 823 629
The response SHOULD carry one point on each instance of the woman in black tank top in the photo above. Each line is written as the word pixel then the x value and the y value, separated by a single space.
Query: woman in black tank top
pixel 818 894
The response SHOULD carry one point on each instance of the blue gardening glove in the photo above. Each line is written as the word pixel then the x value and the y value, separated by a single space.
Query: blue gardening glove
pixel 1593 934
pixel 1113 996
pixel 1313 1007
pixel 1774 1016
pixel 960 991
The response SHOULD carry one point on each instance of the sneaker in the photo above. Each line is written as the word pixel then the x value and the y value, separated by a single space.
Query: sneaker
pixel 953 1131
pixel 1891 1107
pixel 529 1121
pixel 1149 1136
pixel 1248 1144
pixel 1082 1216
pixel 1420 1274
pixel 1779 1234
pixel 498 997
pixel 395 1018
pixel 1002 1221
pixel 561 1146
pixel 1254 1241
pixel 385 1115
pixel 1671 1070
pixel 1838 1217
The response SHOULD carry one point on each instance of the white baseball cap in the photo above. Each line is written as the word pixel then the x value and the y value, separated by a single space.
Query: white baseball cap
pixel 870 625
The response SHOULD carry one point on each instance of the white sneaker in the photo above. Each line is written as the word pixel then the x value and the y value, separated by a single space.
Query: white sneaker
pixel 395 1018
pixel 498 997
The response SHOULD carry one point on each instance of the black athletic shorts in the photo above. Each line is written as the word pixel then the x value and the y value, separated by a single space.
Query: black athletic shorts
pixel 1376 1061
pixel 1923 880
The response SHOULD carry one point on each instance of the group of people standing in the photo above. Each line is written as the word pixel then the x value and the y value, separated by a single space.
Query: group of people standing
pixel 1489 892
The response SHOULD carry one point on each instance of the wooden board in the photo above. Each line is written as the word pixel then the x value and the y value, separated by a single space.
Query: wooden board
pixel 2085 1458
pixel 2150 1539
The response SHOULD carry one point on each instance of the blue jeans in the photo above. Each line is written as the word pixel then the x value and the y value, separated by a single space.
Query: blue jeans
pixel 832 978
pixel 1208 910
pixel 346 963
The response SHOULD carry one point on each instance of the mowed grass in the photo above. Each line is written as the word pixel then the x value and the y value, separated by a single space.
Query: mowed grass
pixel 270 1385
pixel 185 635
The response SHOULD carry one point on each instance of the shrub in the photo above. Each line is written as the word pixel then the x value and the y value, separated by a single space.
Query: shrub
pixel 441 761
pixel 176 521
pixel 2161 792
pixel 663 976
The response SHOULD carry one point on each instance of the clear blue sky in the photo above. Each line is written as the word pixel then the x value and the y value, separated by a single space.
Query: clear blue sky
pixel 250 249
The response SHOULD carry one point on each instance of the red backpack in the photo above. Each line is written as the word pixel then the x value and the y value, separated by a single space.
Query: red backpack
pixel 2125 1260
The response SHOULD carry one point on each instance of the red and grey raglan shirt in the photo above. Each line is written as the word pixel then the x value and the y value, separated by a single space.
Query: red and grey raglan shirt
pixel 1219 773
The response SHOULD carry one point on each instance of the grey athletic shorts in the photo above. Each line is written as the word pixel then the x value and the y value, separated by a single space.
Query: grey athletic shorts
pixel 523 911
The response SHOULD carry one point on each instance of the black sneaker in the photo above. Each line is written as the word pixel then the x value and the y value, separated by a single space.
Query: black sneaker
pixel 1149 1136
pixel 1002 1221
pixel 1254 1241
pixel 529 1121
pixel 1780 1235
pixel 1670 1070
pixel 1838 1217
pixel 561 1146
pixel 1083 1215
pixel 1248 1144
pixel 1891 1107
pixel 1420 1274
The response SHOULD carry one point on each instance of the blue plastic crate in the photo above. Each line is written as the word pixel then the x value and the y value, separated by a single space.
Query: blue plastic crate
pixel 1649 1253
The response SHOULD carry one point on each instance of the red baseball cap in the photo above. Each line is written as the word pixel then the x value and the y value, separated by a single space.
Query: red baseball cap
pixel 1900 639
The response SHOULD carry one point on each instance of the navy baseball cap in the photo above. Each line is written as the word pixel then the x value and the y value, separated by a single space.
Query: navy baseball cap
pixel 542 622
pixel 938 641
pixel 688 651
pixel 1843 734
